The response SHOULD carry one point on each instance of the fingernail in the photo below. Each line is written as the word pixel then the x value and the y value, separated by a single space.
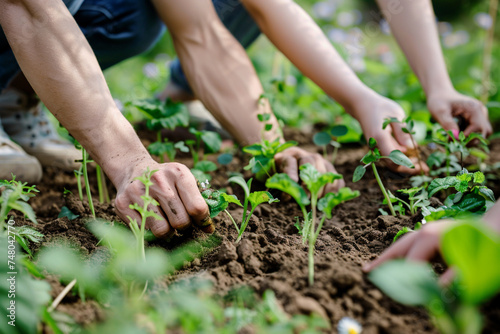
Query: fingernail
pixel 208 229
pixel 207 221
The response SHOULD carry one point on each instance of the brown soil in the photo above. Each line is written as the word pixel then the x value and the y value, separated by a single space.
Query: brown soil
pixel 272 255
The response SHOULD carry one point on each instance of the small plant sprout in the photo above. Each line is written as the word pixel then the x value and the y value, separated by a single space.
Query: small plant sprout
pixel 348 325
pixel 417 198
pixel 262 163
pixel 15 196
pixel 374 156
pixel 218 201
pixel 407 126
pixel 211 141
pixel 83 171
pixel 139 230
pixel 330 137
pixel 315 182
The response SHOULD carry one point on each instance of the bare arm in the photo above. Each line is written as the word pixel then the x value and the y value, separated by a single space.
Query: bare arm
pixel 60 65
pixel 413 24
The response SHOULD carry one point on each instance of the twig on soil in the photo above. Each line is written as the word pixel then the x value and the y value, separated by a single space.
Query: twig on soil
pixel 61 296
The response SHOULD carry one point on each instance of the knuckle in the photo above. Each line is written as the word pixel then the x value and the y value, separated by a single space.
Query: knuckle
pixel 198 210
pixel 121 203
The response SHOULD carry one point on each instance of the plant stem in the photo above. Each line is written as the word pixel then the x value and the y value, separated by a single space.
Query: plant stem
pixel 380 184
pixel 158 139
pixel 334 155
pixel 314 198
pixel 418 154
pixel 487 55
pixel 87 184
pixel 244 225
pixel 78 175
pixel 232 219
pixel 99 183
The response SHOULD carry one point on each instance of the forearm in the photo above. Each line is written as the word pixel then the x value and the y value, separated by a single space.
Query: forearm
pixel 60 65
pixel 295 34
pixel 217 68
pixel 413 24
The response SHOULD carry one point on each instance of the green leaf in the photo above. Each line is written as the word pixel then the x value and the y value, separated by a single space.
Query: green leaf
pixel 474 250
pixel 471 203
pixel 369 158
pixel 322 139
pixel 399 158
pixel 388 121
pixel 479 178
pixel 241 181
pixel 339 131
pixel 200 176
pixel 206 166
pixel 441 184
pixel 259 197
pixel 331 200
pixel 216 201
pixel 372 143
pixel 212 141
pixel 225 158
pixel 65 212
pixel 231 199
pixel 436 159
pixel 285 183
pixel 402 232
pixel 314 180
pixel 268 127
pixel 487 194
pixel 264 117
pixel 286 145
pixel 359 172
pixel 408 283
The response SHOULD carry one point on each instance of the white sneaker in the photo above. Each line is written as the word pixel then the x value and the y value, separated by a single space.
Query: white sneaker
pixel 27 124
pixel 13 160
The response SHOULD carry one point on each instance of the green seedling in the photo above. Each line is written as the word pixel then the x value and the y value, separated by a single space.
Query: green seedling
pixel 315 183
pixel 470 249
pixel 262 163
pixel 211 144
pixel 453 144
pixel 472 196
pixel 15 196
pixel 202 169
pixel 218 202
pixel 374 156
pixel 101 185
pixel 417 198
pixel 407 126
pixel 159 115
pixel 147 200
pixel 83 171
pixel 330 137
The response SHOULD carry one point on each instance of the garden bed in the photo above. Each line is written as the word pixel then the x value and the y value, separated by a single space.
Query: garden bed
pixel 271 254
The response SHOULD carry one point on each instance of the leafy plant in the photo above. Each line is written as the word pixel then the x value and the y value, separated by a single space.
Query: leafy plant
pixel 330 137
pixel 417 198
pixel 211 144
pixel 407 126
pixel 374 156
pixel 24 235
pixel 161 148
pixel 202 169
pixel 470 249
pixel 83 171
pixel 15 196
pixel 315 182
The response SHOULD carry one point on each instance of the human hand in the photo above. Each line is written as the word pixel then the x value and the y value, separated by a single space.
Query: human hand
pixel 371 113
pixel 445 106
pixel 175 189
pixel 290 160
pixel 421 245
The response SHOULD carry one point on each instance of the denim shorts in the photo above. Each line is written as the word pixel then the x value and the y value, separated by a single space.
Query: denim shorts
pixel 237 20
pixel 115 29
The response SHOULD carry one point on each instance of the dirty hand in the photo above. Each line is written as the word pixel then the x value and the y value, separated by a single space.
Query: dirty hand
pixel 290 160
pixel 421 245
pixel 371 113
pixel 445 106
pixel 175 189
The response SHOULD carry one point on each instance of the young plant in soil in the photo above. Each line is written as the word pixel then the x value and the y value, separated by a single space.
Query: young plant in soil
pixel 330 137
pixel 472 196
pixel 471 249
pixel 407 126
pixel 211 141
pixel 455 143
pixel 218 202
pixel 374 156
pixel 202 169
pixel 314 182
pixel 83 171
pixel 159 115
pixel 417 198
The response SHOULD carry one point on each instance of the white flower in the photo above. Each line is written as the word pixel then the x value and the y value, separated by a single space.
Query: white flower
pixel 205 185
pixel 349 326
pixel 324 10
pixel 483 20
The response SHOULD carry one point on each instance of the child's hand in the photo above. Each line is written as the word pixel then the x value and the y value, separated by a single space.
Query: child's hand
pixel 371 113
pixel 445 106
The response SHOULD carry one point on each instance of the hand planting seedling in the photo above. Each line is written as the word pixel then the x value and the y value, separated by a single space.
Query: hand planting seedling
pixel 469 248
pixel 211 141
pixel 374 156
pixel 218 202
pixel 472 196
pixel 314 182
pixel 330 137
pixel 407 126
